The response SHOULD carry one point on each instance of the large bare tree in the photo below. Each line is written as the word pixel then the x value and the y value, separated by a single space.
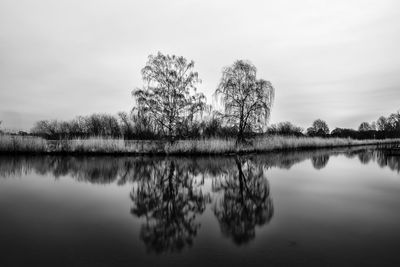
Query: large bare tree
pixel 247 100
pixel 169 95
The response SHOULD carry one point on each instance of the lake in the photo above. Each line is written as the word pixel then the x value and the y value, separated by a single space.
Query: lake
pixel 312 208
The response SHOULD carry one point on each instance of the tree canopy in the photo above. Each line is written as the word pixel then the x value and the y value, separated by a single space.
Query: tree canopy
pixel 318 128
pixel 247 100
pixel 168 98
pixel 365 126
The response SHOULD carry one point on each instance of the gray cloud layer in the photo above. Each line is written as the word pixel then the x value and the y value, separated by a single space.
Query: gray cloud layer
pixel 337 60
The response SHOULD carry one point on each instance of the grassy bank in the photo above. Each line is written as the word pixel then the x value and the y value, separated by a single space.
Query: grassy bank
pixel 23 144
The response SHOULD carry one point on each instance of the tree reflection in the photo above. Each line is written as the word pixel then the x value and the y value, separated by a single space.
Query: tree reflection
pixel 245 202
pixel 390 158
pixel 366 156
pixel 320 162
pixel 169 198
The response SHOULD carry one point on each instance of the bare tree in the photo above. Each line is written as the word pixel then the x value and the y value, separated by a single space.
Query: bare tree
pixel 126 124
pixel 247 101
pixel 169 96
pixel 45 128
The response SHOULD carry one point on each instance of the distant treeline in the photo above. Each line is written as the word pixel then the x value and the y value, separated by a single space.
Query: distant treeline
pixel 384 127
pixel 131 126
pixel 127 126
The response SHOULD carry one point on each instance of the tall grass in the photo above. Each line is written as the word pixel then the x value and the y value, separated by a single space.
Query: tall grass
pixel 16 144
pixel 96 145
pixel 265 144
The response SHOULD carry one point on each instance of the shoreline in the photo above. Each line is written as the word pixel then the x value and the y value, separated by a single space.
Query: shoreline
pixel 13 145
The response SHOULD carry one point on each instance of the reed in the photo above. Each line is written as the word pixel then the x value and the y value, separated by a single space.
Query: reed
pixel 97 145
pixel 17 144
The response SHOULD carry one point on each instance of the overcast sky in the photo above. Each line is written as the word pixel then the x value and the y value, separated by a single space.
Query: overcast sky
pixel 335 60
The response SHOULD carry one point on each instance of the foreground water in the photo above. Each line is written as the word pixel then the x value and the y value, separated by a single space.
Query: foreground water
pixel 332 207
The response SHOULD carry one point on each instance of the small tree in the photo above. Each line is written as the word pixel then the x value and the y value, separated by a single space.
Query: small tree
pixel 247 101
pixel 319 128
pixel 310 131
pixel 169 96
pixel 393 121
pixel 373 126
pixel 285 128
pixel 381 123
pixel 364 127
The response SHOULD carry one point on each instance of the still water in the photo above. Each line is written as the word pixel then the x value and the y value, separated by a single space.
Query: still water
pixel 315 208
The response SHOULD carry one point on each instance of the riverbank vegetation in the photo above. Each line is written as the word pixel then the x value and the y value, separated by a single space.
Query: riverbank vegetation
pixel 212 146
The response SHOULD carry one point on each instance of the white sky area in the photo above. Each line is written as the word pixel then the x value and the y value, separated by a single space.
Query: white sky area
pixel 335 60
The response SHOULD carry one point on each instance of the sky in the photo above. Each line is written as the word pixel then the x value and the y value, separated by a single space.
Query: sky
pixel 335 60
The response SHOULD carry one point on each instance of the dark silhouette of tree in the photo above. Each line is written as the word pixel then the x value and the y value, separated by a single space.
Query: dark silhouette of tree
pixel 344 133
pixel 310 131
pixel 320 162
pixel 285 128
pixel 246 201
pixel 103 125
pixel 170 199
pixel 247 100
pixel 44 128
pixel 169 97
pixel 388 127
pixel 393 121
pixel 319 128
pixel 382 123
pixel 126 125
pixel 364 126
pixel 366 156
pixel 83 126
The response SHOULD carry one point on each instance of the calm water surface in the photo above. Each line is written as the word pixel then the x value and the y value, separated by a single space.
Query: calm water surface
pixel 316 208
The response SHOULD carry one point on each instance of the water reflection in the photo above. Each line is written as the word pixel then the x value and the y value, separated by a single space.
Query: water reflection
pixel 169 195
pixel 107 169
pixel 383 157
pixel 389 158
pixel 366 156
pixel 246 201
pixel 320 162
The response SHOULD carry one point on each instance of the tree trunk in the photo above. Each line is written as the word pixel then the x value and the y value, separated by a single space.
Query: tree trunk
pixel 240 136
pixel 241 178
